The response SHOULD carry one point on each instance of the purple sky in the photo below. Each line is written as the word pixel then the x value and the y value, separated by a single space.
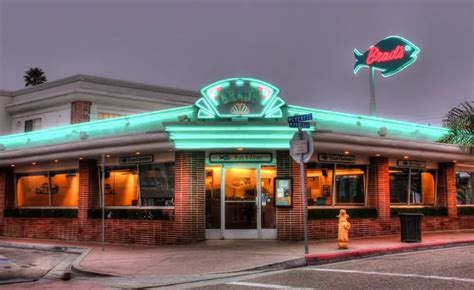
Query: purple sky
pixel 303 47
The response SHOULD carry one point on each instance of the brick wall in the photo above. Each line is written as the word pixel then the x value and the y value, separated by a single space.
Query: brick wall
pixel 290 220
pixel 80 112
pixel 7 198
pixel 447 188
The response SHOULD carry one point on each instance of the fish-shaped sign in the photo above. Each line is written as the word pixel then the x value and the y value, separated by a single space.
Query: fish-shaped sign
pixel 390 56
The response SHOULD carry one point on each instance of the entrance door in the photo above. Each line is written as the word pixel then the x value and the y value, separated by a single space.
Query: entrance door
pixel 241 206
pixel 239 202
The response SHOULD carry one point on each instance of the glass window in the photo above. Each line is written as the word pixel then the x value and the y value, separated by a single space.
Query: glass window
pixel 55 189
pixel 464 187
pixel 350 183
pixel 399 185
pixel 267 181
pixel 121 186
pixel 213 197
pixel 157 184
pixel 32 125
pixel 422 185
pixel 64 188
pixel 101 115
pixel 319 183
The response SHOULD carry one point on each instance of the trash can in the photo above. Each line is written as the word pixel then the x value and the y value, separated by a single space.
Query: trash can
pixel 410 227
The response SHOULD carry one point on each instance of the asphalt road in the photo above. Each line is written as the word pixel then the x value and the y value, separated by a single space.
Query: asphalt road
pixel 437 269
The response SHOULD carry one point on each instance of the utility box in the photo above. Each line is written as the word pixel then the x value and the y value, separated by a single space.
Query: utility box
pixel 410 227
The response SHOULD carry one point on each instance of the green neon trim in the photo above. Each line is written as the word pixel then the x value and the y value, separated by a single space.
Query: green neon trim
pixel 367 125
pixel 126 125
pixel 209 101
pixel 275 114
pixel 194 127
pixel 409 46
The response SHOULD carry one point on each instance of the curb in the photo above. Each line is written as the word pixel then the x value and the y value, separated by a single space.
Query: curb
pixel 77 268
pixel 319 259
pixel 286 264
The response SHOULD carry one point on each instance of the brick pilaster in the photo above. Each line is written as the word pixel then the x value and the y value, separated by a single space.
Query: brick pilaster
pixel 447 188
pixel 80 112
pixel 88 189
pixel 189 201
pixel 290 220
pixel 378 194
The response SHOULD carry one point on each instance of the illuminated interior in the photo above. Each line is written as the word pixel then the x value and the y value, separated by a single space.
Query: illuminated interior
pixel 267 181
pixel 350 184
pixel 35 189
pixel 240 198
pixel 121 187
pixel 319 184
pixel 213 197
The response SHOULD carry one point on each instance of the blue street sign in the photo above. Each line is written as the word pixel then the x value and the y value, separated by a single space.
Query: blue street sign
pixel 300 118
pixel 305 125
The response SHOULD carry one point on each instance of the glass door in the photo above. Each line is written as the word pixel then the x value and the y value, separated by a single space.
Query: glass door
pixel 241 206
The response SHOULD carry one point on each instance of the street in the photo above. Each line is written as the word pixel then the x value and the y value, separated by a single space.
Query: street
pixel 450 268
pixel 436 269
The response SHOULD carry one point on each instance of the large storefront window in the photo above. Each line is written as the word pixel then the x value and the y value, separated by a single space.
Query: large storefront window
pixel 349 181
pixel 350 184
pixel 213 197
pixel 140 185
pixel 56 189
pixel 412 186
pixel 464 187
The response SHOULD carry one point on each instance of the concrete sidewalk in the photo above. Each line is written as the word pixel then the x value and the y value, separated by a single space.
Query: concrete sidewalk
pixel 216 256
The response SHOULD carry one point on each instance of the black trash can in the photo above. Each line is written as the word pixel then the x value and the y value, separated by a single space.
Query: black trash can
pixel 410 227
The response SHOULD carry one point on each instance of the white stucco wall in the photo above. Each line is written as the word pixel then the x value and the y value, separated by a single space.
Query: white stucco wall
pixel 50 117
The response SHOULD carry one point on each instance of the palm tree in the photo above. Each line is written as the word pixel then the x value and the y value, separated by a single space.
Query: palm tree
pixel 34 76
pixel 460 121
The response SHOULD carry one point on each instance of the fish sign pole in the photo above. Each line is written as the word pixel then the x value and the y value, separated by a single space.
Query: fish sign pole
pixel 390 56
pixel 301 150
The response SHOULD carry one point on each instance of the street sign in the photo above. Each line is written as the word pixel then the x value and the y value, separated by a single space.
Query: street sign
pixel 304 125
pixel 300 118
pixel 301 146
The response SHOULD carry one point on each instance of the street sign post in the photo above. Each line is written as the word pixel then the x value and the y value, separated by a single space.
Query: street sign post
pixel 301 150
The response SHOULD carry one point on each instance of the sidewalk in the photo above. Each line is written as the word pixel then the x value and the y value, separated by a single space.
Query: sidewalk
pixel 216 256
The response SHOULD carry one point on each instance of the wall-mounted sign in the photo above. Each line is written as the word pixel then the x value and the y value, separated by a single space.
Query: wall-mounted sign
pixel 411 163
pixel 336 158
pixel 136 159
pixel 283 192
pixel 390 56
pixel 240 97
pixel 240 157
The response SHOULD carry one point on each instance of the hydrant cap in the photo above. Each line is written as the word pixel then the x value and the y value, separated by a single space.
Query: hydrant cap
pixel 342 212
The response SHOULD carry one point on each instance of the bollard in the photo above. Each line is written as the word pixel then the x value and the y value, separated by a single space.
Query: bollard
pixel 343 230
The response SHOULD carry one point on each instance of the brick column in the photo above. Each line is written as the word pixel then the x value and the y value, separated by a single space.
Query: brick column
pixel 80 112
pixel 290 220
pixel 189 197
pixel 378 194
pixel 88 190
pixel 7 192
pixel 447 188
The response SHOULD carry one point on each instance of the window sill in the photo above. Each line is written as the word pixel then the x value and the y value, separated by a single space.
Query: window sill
pixel 465 205
pixel 335 206
pixel 137 207
pixel 41 212
pixel 412 206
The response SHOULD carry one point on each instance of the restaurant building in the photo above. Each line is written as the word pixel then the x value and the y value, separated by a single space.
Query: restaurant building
pixel 183 167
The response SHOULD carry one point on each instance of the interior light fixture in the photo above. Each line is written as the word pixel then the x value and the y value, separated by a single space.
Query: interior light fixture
pixel 405 157
pixel 240 149
pixel 346 152
pixel 378 155
pixel 137 153
pixel 56 161
pixel 33 163
pixel 13 165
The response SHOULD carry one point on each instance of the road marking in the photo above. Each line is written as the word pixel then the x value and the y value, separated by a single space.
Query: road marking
pixel 250 284
pixel 392 274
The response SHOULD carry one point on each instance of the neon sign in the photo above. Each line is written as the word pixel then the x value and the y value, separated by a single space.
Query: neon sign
pixel 391 55
pixel 240 98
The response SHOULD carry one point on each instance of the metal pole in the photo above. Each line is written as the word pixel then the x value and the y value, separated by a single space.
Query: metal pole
pixel 102 169
pixel 303 196
pixel 373 107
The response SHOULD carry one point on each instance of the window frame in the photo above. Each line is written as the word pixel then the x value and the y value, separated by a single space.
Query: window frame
pixel 32 124
pixel 50 198
pixel 139 206
pixel 408 189
pixel 335 204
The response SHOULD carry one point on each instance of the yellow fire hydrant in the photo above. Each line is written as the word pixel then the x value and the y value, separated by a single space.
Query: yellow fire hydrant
pixel 343 230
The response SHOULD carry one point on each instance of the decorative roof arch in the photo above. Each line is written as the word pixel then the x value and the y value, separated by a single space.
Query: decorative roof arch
pixel 240 98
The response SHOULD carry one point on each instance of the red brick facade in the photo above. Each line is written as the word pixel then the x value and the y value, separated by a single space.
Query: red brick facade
pixel 187 223
pixel 80 112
